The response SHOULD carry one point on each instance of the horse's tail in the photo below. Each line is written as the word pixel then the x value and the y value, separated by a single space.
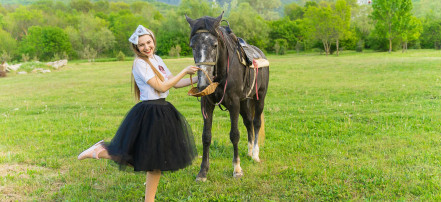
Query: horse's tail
pixel 261 139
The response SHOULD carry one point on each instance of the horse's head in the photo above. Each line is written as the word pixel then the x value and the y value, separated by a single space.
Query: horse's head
pixel 204 43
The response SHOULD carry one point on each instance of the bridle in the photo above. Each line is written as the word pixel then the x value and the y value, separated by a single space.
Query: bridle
pixel 215 59
pixel 214 65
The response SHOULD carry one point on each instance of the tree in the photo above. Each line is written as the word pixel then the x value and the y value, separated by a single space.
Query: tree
pixel 122 25
pixel 89 53
pixel 265 8
pixel 45 42
pixel 23 18
pixel 196 9
pixel 431 34
pixel 119 6
pixel 91 31
pixel 342 18
pixel 81 5
pixel 390 17
pixel 411 32
pixel 101 6
pixel 320 23
pixel 284 29
pixel 248 24
pixel 424 7
pixel 175 31
pixel 7 43
pixel 280 46
pixel 293 11
pixel 362 23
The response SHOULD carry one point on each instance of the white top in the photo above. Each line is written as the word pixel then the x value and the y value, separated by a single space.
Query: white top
pixel 142 72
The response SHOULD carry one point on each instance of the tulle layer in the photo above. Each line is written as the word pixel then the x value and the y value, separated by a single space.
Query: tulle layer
pixel 153 136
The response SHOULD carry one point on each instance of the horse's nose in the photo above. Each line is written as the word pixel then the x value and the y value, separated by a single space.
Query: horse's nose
pixel 202 78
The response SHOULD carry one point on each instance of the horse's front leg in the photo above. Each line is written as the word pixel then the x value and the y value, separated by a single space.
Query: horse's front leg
pixel 234 137
pixel 207 113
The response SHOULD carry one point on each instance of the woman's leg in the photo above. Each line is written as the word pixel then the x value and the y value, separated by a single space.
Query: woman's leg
pixel 151 185
pixel 104 154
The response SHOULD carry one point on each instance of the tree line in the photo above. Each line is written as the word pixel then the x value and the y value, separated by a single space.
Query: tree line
pixel 49 30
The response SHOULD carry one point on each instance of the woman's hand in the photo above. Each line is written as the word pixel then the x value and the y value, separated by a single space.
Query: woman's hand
pixel 191 69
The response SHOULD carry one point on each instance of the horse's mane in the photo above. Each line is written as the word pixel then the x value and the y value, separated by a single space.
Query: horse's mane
pixel 207 23
pixel 210 24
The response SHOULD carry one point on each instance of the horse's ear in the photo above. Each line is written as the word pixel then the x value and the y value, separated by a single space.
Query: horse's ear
pixel 219 19
pixel 190 21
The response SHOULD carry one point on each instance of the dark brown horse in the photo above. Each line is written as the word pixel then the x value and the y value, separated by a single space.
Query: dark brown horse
pixel 215 50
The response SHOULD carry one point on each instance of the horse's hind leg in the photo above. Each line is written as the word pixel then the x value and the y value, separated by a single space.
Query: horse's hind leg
pixel 246 111
pixel 207 109
pixel 257 123
pixel 234 137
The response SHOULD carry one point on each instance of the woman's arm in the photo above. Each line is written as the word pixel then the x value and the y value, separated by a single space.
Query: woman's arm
pixel 184 82
pixel 163 86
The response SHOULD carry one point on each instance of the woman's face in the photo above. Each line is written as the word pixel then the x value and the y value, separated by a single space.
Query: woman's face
pixel 146 45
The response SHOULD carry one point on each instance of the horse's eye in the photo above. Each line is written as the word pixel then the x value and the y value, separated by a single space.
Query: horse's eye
pixel 215 44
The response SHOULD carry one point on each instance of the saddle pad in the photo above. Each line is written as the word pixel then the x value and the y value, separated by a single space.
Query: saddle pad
pixel 258 63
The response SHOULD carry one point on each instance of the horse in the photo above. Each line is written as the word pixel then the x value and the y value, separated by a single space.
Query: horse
pixel 216 51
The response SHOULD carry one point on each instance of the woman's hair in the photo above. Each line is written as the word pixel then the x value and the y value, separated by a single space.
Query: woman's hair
pixel 146 59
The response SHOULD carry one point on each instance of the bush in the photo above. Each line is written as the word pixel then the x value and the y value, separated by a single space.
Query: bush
pixel 44 42
pixel 56 57
pixel 174 51
pixel 281 46
pixel 25 57
pixel 120 56
pixel 29 66
pixel 5 57
pixel 360 46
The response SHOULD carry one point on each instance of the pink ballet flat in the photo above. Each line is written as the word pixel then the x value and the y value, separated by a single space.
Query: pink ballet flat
pixel 92 152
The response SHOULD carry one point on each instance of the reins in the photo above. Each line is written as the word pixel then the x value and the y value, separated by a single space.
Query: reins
pixel 205 72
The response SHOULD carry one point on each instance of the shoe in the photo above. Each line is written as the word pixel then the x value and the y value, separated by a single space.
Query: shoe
pixel 92 152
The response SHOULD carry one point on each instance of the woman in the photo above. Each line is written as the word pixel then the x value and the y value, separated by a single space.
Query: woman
pixel 154 136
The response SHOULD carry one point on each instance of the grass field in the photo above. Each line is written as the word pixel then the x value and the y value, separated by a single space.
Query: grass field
pixel 355 127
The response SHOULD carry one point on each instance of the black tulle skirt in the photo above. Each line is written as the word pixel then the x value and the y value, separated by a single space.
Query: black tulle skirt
pixel 153 136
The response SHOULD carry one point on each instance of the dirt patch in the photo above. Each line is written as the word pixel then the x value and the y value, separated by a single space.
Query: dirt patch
pixel 20 181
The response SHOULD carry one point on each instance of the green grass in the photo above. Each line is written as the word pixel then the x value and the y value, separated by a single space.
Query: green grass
pixel 361 126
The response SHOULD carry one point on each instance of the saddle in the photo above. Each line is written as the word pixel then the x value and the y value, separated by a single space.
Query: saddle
pixel 251 57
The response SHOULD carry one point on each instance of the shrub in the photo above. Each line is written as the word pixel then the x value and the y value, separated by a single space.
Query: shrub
pixel 4 57
pixel 174 51
pixel 56 57
pixel 25 57
pixel 120 56
pixel 360 45
pixel 29 66
pixel 281 46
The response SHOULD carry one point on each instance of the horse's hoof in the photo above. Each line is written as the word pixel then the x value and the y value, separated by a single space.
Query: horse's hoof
pixel 250 150
pixel 256 159
pixel 237 174
pixel 201 179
